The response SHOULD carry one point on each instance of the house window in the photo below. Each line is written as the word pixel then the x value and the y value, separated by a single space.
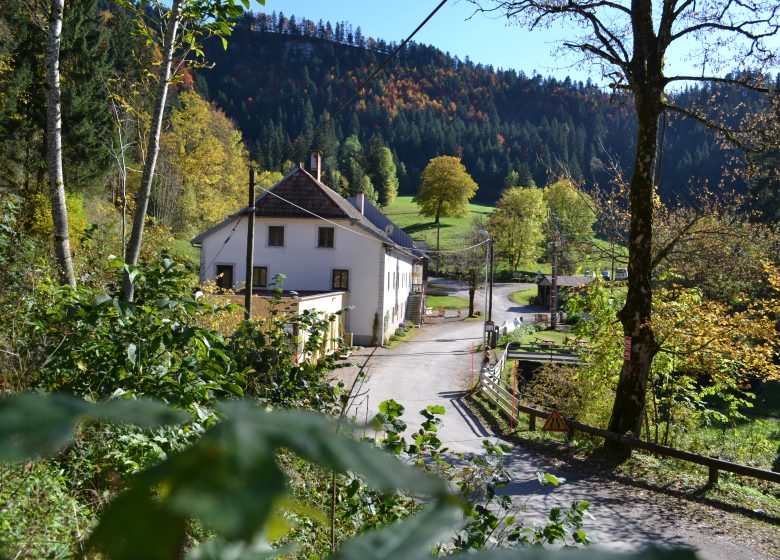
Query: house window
pixel 276 236
pixel 259 277
pixel 340 279
pixel 225 276
pixel 325 237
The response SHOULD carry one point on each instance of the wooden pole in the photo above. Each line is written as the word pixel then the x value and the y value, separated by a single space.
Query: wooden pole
pixel 250 245
pixel 472 365
pixel 514 391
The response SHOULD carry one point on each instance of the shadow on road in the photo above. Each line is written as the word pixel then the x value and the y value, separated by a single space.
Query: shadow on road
pixel 473 423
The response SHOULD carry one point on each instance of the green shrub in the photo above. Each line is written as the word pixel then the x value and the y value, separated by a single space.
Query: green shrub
pixel 38 516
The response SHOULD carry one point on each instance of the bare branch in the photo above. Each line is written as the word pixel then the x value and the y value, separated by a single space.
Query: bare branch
pixel 729 81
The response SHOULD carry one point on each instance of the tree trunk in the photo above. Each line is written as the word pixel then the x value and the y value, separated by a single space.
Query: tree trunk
pixel 133 248
pixel 59 209
pixel 629 407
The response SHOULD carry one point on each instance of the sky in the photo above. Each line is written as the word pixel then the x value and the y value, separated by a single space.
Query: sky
pixel 455 29
pixel 458 29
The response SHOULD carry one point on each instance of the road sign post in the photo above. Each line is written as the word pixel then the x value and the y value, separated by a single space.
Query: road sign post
pixel 555 423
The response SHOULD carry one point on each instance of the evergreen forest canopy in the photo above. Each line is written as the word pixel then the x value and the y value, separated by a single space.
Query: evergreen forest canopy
pixel 281 78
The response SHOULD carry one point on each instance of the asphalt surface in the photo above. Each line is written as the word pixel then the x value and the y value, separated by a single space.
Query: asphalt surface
pixel 435 368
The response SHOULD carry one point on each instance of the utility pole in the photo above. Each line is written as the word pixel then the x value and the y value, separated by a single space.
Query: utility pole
pixel 490 293
pixel 554 283
pixel 250 245
pixel 438 255
pixel 612 277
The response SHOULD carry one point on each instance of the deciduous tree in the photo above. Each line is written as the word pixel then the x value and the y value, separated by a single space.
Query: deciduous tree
pixel 180 32
pixel 381 169
pixel 517 225
pixel 575 217
pixel 205 165
pixel 446 188
pixel 631 44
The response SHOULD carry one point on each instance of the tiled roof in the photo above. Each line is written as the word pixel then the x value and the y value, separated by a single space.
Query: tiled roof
pixel 303 191
pixel 300 195
pixel 376 217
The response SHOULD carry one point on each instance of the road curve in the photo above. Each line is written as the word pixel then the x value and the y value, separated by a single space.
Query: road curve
pixel 436 368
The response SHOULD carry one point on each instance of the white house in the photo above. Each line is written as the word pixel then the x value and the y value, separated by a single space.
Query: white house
pixel 321 243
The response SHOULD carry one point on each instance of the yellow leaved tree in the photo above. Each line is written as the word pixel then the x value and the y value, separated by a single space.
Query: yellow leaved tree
pixel 445 188
pixel 203 169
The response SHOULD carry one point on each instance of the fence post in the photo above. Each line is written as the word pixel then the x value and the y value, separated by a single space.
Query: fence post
pixel 712 479
pixel 532 422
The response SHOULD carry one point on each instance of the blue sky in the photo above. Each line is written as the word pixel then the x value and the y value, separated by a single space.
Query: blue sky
pixel 457 29
pixel 482 38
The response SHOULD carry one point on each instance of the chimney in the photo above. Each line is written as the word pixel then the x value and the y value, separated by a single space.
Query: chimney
pixel 361 201
pixel 315 165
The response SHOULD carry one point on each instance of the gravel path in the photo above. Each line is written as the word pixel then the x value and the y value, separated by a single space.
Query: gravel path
pixel 435 368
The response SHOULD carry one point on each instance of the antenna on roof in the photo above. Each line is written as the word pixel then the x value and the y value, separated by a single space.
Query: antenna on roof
pixel 389 229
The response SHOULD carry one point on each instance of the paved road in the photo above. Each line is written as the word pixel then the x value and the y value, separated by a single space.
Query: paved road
pixel 435 368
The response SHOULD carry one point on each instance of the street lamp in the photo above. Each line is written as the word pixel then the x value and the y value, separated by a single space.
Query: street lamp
pixel 490 328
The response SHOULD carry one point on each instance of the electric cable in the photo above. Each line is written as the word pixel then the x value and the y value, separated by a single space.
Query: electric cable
pixel 373 74
pixel 315 215
pixel 224 243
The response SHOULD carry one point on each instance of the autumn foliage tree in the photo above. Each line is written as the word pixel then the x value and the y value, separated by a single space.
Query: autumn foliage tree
pixel 179 32
pixel 517 225
pixel 631 44
pixel 445 189
pixel 203 168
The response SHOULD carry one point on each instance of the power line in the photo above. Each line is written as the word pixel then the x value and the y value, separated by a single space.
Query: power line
pixel 373 74
pixel 224 244
pixel 352 231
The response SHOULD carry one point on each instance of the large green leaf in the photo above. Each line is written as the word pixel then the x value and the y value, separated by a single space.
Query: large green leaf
pixel 142 413
pixel 316 438
pixel 229 480
pixel 137 525
pixel 34 424
pixel 410 539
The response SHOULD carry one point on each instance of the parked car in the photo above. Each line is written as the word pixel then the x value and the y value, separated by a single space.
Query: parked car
pixel 586 273
pixel 605 274
pixel 621 273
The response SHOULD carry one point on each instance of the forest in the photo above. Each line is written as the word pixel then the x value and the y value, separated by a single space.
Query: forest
pixel 282 77
pixel 138 401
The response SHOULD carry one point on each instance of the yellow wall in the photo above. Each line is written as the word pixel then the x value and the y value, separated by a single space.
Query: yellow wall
pixel 326 304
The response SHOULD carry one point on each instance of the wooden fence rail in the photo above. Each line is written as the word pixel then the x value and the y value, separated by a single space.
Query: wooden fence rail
pixel 500 394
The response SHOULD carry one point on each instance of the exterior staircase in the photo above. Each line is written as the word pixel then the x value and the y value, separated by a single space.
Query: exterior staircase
pixel 415 309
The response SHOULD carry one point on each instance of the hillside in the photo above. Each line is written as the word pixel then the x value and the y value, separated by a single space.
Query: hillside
pixel 279 79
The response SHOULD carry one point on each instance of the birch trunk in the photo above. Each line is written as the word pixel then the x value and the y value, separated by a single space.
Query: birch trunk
pixel 133 248
pixel 59 209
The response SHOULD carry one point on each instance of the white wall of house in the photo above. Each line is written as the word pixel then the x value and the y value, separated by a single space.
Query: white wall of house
pixel 309 267
pixel 397 280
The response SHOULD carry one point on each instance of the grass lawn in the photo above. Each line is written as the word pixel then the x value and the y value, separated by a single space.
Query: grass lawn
pixel 405 213
pixel 447 302
pixel 404 336
pixel 524 337
pixel 182 248
pixel 522 297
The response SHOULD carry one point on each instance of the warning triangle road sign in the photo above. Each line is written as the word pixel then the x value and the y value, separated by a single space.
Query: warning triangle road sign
pixel 555 423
